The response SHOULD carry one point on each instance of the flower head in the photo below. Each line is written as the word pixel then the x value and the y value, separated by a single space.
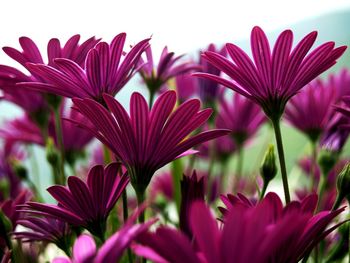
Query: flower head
pixel 106 70
pixel 260 233
pixel 32 101
pixel 310 110
pixel 85 204
pixel 146 140
pixel 168 67
pixel 273 77
pixel 242 116
pixel 44 229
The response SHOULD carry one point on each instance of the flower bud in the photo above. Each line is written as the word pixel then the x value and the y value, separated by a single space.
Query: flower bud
pixel 20 170
pixel 52 155
pixel 268 169
pixel 327 159
pixel 343 182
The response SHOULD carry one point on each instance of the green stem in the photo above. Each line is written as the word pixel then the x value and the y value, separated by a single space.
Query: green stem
pixel 59 138
pixel 263 190
pixel 140 195
pixel 125 217
pixel 151 99
pixel 239 167
pixel 313 165
pixel 278 135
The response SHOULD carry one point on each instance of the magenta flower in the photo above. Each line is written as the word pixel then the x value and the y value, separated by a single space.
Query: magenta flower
pixel 263 233
pixel 85 204
pixel 147 139
pixel 168 67
pixel 208 90
pixel 273 78
pixel 104 72
pixel 85 251
pixel 31 101
pixel 310 110
pixel 242 126
pixel 45 229
pixel 186 87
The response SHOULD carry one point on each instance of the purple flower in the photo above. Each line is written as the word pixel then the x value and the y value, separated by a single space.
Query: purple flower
pixel 146 140
pixel 192 189
pixel 44 229
pixel 263 233
pixel 273 78
pixel 104 72
pixel 242 116
pixel 85 204
pixel 209 89
pixel 162 184
pixel 31 101
pixel 186 86
pixel 85 251
pixel 168 67
pixel 310 110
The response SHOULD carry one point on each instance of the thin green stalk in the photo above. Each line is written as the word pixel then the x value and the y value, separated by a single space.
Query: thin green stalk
pixel 277 128
pixel 125 217
pixel 59 137
pixel 240 156
pixel 263 191
pixel 140 199
pixel 151 99
pixel 313 165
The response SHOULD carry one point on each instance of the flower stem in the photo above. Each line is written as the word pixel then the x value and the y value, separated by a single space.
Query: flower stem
pixel 151 99
pixel 140 195
pixel 278 135
pixel 59 137
pixel 239 168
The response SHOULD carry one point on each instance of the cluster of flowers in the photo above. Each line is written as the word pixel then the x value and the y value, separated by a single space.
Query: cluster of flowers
pixel 196 209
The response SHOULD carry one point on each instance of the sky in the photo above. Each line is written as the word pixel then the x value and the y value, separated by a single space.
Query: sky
pixel 183 25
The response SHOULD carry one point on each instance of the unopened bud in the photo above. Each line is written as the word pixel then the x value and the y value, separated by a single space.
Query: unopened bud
pixel 20 170
pixel 52 155
pixel 268 169
pixel 343 182
pixel 327 160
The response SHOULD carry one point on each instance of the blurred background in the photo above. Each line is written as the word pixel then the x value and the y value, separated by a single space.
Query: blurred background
pixel 185 27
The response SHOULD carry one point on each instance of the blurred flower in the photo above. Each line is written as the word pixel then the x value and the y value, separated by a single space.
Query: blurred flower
pixel 186 86
pixel 192 189
pixel 162 184
pixel 147 139
pixel 85 204
pixel 311 109
pixel 104 72
pixel 242 116
pixel 209 89
pixel 32 102
pixel 84 249
pixel 265 232
pixel 44 229
pixel 273 78
pixel 168 67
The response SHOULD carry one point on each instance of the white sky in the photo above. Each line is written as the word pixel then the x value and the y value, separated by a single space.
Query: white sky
pixel 183 25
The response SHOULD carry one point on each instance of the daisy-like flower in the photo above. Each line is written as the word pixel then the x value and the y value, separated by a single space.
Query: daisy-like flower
pixel 147 139
pixel 310 110
pixel 32 101
pixel 168 67
pixel 107 69
pixel 45 229
pixel 208 90
pixel 273 77
pixel 263 233
pixel 85 204
pixel 85 249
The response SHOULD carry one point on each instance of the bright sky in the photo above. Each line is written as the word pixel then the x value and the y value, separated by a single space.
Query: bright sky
pixel 183 25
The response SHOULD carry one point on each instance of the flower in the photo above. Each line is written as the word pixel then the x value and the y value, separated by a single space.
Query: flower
pixel 186 86
pixel 310 110
pixel 85 204
pixel 208 89
pixel 84 249
pixel 272 79
pixel 242 116
pixel 104 72
pixel 147 139
pixel 266 232
pixel 44 229
pixel 167 68
pixel 32 101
